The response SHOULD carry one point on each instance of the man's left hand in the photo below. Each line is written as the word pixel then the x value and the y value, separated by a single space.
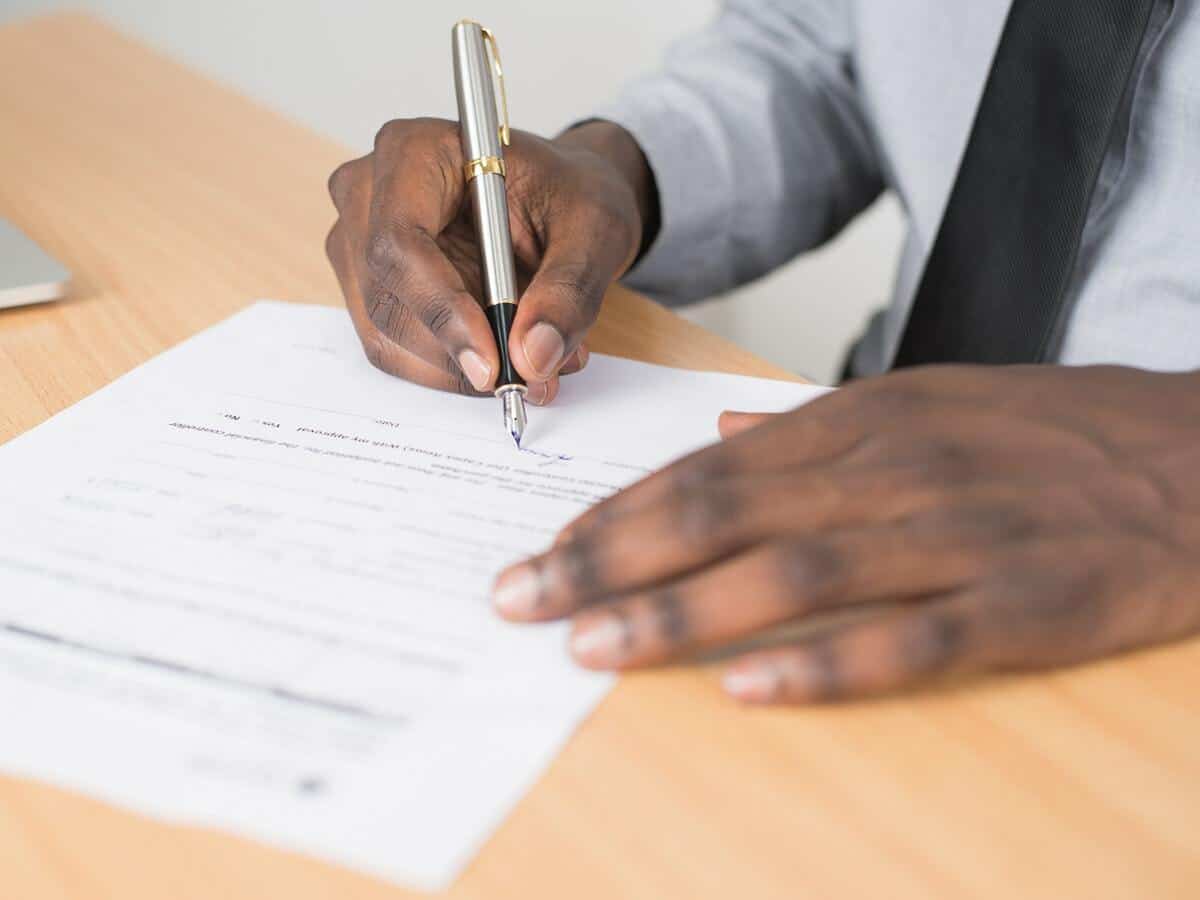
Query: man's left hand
pixel 979 518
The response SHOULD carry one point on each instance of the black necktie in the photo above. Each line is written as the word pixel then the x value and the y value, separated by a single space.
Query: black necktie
pixel 993 287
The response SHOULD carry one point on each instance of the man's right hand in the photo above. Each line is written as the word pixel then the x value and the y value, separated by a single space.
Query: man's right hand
pixel 405 251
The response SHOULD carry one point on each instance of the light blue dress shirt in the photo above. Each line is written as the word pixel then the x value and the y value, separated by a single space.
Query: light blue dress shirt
pixel 774 126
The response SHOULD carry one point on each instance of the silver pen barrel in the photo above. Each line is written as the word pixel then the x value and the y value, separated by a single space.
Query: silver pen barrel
pixel 483 139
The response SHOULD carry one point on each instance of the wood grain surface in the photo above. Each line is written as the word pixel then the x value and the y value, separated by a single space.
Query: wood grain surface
pixel 175 202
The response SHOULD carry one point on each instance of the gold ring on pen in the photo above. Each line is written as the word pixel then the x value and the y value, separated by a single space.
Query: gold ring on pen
pixel 488 165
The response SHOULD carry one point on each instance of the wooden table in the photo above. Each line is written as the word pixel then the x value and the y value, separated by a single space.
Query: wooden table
pixel 176 202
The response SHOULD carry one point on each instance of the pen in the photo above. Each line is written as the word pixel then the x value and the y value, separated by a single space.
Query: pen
pixel 482 138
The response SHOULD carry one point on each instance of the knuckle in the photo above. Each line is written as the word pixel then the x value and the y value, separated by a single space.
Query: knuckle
pixel 934 641
pixel 390 316
pixel 930 459
pixel 383 252
pixel 340 182
pixel 699 472
pixel 881 447
pixel 702 512
pixel 810 571
pixel 993 522
pixel 379 303
pixel 821 668
pixel 448 143
pixel 426 142
pixel 576 570
pixel 392 131
pixel 669 615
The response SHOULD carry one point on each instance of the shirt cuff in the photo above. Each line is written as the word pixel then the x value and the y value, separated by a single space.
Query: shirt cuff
pixel 689 258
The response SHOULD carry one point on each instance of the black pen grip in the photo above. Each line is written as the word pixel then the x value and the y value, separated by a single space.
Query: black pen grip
pixel 501 316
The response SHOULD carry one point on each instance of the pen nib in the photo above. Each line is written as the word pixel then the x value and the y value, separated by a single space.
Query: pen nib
pixel 514 414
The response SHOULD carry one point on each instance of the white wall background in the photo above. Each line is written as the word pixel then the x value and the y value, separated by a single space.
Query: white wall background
pixel 345 67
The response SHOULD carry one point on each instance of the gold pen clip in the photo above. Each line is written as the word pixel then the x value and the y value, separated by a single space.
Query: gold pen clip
pixel 490 38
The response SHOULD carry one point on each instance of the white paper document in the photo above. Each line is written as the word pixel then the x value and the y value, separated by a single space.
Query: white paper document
pixel 245 586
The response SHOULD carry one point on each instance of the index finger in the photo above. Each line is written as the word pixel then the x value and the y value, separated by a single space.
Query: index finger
pixel 418 191
pixel 827 429
pixel 754 451
pixel 587 245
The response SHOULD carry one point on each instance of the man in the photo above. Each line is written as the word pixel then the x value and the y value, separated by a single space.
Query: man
pixel 978 516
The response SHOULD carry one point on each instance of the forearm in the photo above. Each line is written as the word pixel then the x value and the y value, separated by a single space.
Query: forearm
pixel 758 141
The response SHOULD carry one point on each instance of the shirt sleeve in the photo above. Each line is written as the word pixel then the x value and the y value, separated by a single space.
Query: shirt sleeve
pixel 759 144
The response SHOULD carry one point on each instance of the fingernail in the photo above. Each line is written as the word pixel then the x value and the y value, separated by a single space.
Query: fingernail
pixel 518 591
pixel 755 684
pixel 602 642
pixel 538 392
pixel 478 372
pixel 544 347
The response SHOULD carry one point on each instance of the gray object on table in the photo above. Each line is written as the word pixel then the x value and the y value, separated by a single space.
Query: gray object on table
pixel 28 274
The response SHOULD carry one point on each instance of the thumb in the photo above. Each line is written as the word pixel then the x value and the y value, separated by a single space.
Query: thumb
pixel 732 423
pixel 560 305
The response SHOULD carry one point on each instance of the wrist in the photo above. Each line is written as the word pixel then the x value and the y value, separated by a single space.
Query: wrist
pixel 619 148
